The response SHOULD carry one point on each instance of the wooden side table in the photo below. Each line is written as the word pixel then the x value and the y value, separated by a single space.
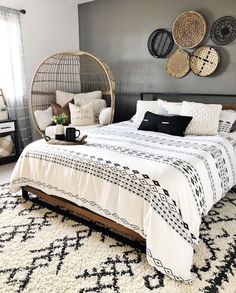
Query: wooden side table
pixel 8 127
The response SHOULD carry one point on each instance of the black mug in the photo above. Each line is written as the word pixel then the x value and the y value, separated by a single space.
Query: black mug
pixel 71 133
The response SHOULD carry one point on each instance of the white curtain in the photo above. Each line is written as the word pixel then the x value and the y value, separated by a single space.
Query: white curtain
pixel 12 76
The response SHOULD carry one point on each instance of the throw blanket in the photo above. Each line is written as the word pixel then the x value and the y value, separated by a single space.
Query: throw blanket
pixel 156 184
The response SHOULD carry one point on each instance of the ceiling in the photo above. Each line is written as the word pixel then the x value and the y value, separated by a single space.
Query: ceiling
pixel 80 1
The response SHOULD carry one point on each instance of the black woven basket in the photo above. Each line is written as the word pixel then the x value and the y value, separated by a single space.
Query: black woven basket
pixel 223 30
pixel 160 43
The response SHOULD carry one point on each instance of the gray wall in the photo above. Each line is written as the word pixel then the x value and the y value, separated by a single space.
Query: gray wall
pixel 118 30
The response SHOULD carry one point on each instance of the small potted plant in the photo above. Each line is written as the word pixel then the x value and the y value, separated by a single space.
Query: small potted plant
pixel 3 113
pixel 59 120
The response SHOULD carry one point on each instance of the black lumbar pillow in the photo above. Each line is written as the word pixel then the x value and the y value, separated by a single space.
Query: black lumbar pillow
pixel 173 125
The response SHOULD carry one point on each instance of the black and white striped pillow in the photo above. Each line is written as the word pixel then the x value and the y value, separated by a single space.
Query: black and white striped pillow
pixel 226 121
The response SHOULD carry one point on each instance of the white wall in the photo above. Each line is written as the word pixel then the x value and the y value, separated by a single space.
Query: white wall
pixel 49 26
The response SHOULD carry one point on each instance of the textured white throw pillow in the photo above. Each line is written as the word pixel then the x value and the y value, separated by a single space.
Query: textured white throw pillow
pixel 105 116
pixel 87 97
pixel 43 118
pixel 205 118
pixel 82 115
pixel 227 119
pixel 169 107
pixel 98 106
pixel 63 98
pixel 141 108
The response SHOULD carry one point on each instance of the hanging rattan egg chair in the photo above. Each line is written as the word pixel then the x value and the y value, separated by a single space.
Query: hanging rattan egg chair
pixel 74 72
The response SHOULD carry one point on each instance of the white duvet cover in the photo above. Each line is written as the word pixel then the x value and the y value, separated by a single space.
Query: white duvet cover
pixel 156 184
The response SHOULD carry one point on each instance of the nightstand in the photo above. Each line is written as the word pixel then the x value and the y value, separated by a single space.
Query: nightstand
pixel 8 127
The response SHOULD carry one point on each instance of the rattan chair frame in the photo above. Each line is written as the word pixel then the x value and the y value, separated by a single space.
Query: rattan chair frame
pixel 62 71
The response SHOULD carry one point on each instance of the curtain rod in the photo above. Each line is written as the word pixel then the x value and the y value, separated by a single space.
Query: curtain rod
pixel 23 11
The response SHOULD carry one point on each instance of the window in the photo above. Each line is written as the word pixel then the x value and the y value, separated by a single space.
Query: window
pixel 12 78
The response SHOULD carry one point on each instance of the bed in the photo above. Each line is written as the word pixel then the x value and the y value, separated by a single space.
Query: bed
pixel 127 178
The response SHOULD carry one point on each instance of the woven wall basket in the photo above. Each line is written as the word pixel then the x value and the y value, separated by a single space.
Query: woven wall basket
pixel 223 30
pixel 177 64
pixel 160 43
pixel 204 61
pixel 189 29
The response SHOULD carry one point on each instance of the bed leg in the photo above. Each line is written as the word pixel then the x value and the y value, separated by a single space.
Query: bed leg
pixel 25 194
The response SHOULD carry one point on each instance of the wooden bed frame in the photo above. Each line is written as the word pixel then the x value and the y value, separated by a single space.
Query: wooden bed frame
pixel 95 218
pixel 82 212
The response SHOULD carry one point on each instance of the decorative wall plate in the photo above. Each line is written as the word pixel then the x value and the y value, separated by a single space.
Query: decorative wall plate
pixel 204 61
pixel 160 43
pixel 223 30
pixel 177 64
pixel 189 29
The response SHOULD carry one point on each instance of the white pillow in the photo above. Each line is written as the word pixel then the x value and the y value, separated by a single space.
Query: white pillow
pixel 63 98
pixel 98 106
pixel 205 118
pixel 141 108
pixel 82 115
pixel 169 107
pixel 87 97
pixel 43 118
pixel 227 119
pixel 105 116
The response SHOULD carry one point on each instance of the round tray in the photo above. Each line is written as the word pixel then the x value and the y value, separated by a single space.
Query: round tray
pixel 204 61
pixel 78 141
pixel 63 142
pixel 223 30
pixel 189 29
pixel 177 64
pixel 160 43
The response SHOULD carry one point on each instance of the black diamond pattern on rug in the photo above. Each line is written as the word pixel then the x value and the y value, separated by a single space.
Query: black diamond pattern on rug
pixel 46 251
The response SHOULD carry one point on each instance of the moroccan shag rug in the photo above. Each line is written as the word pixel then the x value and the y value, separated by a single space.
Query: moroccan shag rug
pixel 44 251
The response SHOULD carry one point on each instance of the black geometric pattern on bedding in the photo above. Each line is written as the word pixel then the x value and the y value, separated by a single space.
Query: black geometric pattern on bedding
pixel 199 145
pixel 139 184
pixel 187 169
pixel 186 151
pixel 40 185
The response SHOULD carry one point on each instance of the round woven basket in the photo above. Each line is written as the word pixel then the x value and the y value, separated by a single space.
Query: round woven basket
pixel 189 29
pixel 223 30
pixel 160 43
pixel 177 64
pixel 204 61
